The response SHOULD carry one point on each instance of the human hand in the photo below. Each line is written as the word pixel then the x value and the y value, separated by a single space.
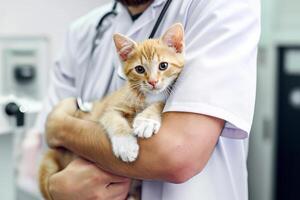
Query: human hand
pixel 57 118
pixel 82 180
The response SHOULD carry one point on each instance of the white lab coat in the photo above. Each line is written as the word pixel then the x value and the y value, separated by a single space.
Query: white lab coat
pixel 219 79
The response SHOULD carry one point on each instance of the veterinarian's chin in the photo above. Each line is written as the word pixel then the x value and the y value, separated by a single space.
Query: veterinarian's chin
pixel 134 2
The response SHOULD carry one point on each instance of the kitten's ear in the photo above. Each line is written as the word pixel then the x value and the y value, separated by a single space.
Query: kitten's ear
pixel 174 37
pixel 124 46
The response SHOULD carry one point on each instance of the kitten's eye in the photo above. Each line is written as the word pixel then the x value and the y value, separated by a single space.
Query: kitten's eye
pixel 140 69
pixel 163 66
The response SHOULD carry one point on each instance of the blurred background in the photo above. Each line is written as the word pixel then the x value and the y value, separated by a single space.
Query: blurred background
pixel 31 34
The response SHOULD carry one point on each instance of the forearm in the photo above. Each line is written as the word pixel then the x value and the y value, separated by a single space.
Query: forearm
pixel 174 154
pixel 91 142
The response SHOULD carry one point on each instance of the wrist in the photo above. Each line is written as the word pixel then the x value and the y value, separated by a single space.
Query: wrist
pixel 55 129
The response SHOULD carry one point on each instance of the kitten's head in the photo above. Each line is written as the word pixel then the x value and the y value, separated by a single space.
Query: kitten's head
pixel 154 64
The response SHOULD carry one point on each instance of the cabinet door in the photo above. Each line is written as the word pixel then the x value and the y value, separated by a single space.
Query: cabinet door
pixel 288 139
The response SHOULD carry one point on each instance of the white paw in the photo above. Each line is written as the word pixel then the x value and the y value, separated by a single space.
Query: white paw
pixel 145 128
pixel 125 147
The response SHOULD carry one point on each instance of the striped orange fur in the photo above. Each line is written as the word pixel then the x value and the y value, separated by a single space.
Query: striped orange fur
pixel 151 67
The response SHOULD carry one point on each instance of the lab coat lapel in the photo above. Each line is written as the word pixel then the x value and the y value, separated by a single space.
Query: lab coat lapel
pixel 147 17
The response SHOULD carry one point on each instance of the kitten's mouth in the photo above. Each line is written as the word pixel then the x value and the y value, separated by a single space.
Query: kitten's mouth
pixel 155 90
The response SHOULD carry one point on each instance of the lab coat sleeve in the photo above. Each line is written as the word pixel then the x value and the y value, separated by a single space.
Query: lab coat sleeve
pixel 62 81
pixel 219 77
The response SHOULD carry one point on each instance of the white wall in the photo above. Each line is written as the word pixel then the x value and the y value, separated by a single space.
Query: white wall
pixel 280 25
pixel 287 13
pixel 48 18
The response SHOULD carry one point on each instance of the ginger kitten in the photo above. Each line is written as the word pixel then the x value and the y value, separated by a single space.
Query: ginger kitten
pixel 151 67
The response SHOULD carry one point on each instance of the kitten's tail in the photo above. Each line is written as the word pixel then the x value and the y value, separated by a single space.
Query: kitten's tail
pixel 49 166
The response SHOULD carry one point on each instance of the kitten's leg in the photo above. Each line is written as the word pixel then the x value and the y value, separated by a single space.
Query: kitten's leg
pixel 49 166
pixel 147 123
pixel 124 143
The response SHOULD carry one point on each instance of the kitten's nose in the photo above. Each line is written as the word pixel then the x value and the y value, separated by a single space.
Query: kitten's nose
pixel 153 83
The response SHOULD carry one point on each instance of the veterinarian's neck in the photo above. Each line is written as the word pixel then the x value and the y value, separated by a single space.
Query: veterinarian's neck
pixel 138 9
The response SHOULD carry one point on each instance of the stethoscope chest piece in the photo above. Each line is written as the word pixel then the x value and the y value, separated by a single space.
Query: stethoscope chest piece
pixel 84 106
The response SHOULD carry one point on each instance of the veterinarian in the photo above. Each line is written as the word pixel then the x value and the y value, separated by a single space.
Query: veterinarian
pixel 201 149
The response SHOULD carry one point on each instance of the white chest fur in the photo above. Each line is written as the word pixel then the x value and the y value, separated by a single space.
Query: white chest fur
pixel 151 98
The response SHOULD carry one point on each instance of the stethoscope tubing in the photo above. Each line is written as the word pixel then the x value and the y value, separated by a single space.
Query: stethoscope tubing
pixel 160 18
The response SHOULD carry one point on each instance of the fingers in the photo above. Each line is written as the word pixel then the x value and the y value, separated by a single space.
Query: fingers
pixel 91 183
pixel 119 189
pixel 91 170
pixel 67 106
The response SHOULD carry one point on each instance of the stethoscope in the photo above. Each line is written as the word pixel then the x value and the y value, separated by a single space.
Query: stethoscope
pixel 103 25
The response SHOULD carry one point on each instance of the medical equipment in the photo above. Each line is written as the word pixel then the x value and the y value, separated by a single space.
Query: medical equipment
pixel 288 110
pixel 23 73
pixel 100 29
